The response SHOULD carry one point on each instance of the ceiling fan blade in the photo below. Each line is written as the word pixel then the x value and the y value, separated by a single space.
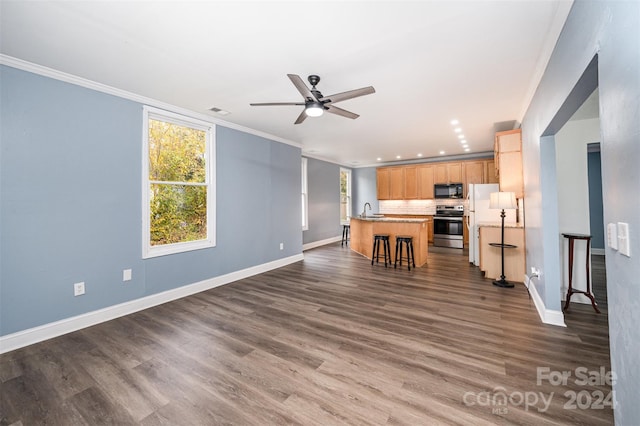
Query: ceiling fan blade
pixel 339 111
pixel 302 88
pixel 277 103
pixel 348 95
pixel 301 117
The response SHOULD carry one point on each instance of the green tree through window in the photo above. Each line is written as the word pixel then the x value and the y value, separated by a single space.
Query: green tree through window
pixel 178 187
pixel 345 195
pixel 178 193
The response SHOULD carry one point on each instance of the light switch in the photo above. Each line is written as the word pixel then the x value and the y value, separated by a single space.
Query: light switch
pixel 623 239
pixel 612 236
pixel 126 275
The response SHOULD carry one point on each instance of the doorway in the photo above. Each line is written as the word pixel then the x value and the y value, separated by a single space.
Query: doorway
pixel 579 186
pixel 550 193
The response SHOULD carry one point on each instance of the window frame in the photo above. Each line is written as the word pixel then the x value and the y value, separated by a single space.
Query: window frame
pixel 149 251
pixel 349 196
pixel 305 193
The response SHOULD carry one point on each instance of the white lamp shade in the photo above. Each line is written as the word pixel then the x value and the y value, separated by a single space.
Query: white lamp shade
pixel 502 200
pixel 314 110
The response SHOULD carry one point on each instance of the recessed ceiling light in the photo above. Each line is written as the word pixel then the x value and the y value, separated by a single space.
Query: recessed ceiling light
pixel 454 122
pixel 463 141
pixel 460 136
pixel 466 150
pixel 398 157
pixel 457 130
pixel 419 154
pixel 465 146
pixel 379 159
pixel 441 152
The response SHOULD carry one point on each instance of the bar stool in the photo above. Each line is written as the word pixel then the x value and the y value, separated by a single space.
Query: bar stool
pixel 408 241
pixel 345 234
pixel 375 254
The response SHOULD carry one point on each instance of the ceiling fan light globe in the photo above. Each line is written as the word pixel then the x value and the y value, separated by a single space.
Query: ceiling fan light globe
pixel 314 110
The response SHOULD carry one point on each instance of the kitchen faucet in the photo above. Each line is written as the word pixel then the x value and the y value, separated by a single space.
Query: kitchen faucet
pixel 364 209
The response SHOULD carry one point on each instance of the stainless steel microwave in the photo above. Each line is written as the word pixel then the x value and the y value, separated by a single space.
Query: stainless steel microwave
pixel 450 190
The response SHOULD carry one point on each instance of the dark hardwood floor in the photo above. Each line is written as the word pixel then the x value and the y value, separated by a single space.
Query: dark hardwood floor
pixel 328 340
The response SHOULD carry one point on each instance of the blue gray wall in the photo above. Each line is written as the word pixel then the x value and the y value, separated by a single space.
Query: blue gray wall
pixel 70 206
pixel 596 220
pixel 323 191
pixel 611 30
pixel 364 190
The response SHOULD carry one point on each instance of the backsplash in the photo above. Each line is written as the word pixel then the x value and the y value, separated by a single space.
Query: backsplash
pixel 419 207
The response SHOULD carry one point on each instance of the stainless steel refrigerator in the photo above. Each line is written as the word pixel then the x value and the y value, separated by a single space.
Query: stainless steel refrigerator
pixel 479 212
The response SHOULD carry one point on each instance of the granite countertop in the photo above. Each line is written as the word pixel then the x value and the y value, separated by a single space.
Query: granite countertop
pixel 391 219
pixel 499 224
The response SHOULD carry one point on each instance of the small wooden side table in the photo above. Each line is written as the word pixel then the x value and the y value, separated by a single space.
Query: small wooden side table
pixel 571 290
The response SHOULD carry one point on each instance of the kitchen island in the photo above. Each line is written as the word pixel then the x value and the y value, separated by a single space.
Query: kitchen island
pixel 364 228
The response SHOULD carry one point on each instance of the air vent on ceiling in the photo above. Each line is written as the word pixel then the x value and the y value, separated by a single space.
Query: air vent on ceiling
pixel 219 111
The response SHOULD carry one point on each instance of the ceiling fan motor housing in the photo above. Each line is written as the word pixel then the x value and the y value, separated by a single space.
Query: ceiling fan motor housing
pixel 313 79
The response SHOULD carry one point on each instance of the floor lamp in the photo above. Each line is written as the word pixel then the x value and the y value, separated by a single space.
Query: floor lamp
pixel 502 200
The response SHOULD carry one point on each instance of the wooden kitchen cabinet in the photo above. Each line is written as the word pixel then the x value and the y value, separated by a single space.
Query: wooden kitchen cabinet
pixel 390 183
pixel 396 183
pixel 382 183
pixel 490 172
pixel 410 182
pixel 416 181
pixel 425 183
pixel 479 172
pixel 455 172
pixel 508 154
pixel 465 232
pixel 474 172
pixel 440 174
pixel 447 172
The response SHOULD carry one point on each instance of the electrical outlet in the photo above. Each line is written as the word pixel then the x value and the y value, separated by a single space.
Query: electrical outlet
pixel 78 289
pixel 126 275
pixel 281 246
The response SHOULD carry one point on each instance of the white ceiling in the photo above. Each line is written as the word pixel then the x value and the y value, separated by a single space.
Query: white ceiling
pixel 429 61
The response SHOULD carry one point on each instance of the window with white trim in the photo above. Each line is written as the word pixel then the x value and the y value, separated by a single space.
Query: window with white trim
pixel 178 188
pixel 305 201
pixel 345 195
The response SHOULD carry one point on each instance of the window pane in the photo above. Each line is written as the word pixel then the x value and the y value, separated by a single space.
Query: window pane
pixel 345 195
pixel 343 208
pixel 178 213
pixel 176 153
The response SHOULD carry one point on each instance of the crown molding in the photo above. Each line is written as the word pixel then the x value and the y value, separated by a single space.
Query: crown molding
pixel 103 88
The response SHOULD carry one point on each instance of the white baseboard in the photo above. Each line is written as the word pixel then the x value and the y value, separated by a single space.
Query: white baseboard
pixel 315 244
pixel 33 335
pixel 548 316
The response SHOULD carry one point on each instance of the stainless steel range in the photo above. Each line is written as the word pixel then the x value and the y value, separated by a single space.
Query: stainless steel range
pixel 448 226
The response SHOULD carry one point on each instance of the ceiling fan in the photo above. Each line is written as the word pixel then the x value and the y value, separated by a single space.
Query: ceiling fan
pixel 315 103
